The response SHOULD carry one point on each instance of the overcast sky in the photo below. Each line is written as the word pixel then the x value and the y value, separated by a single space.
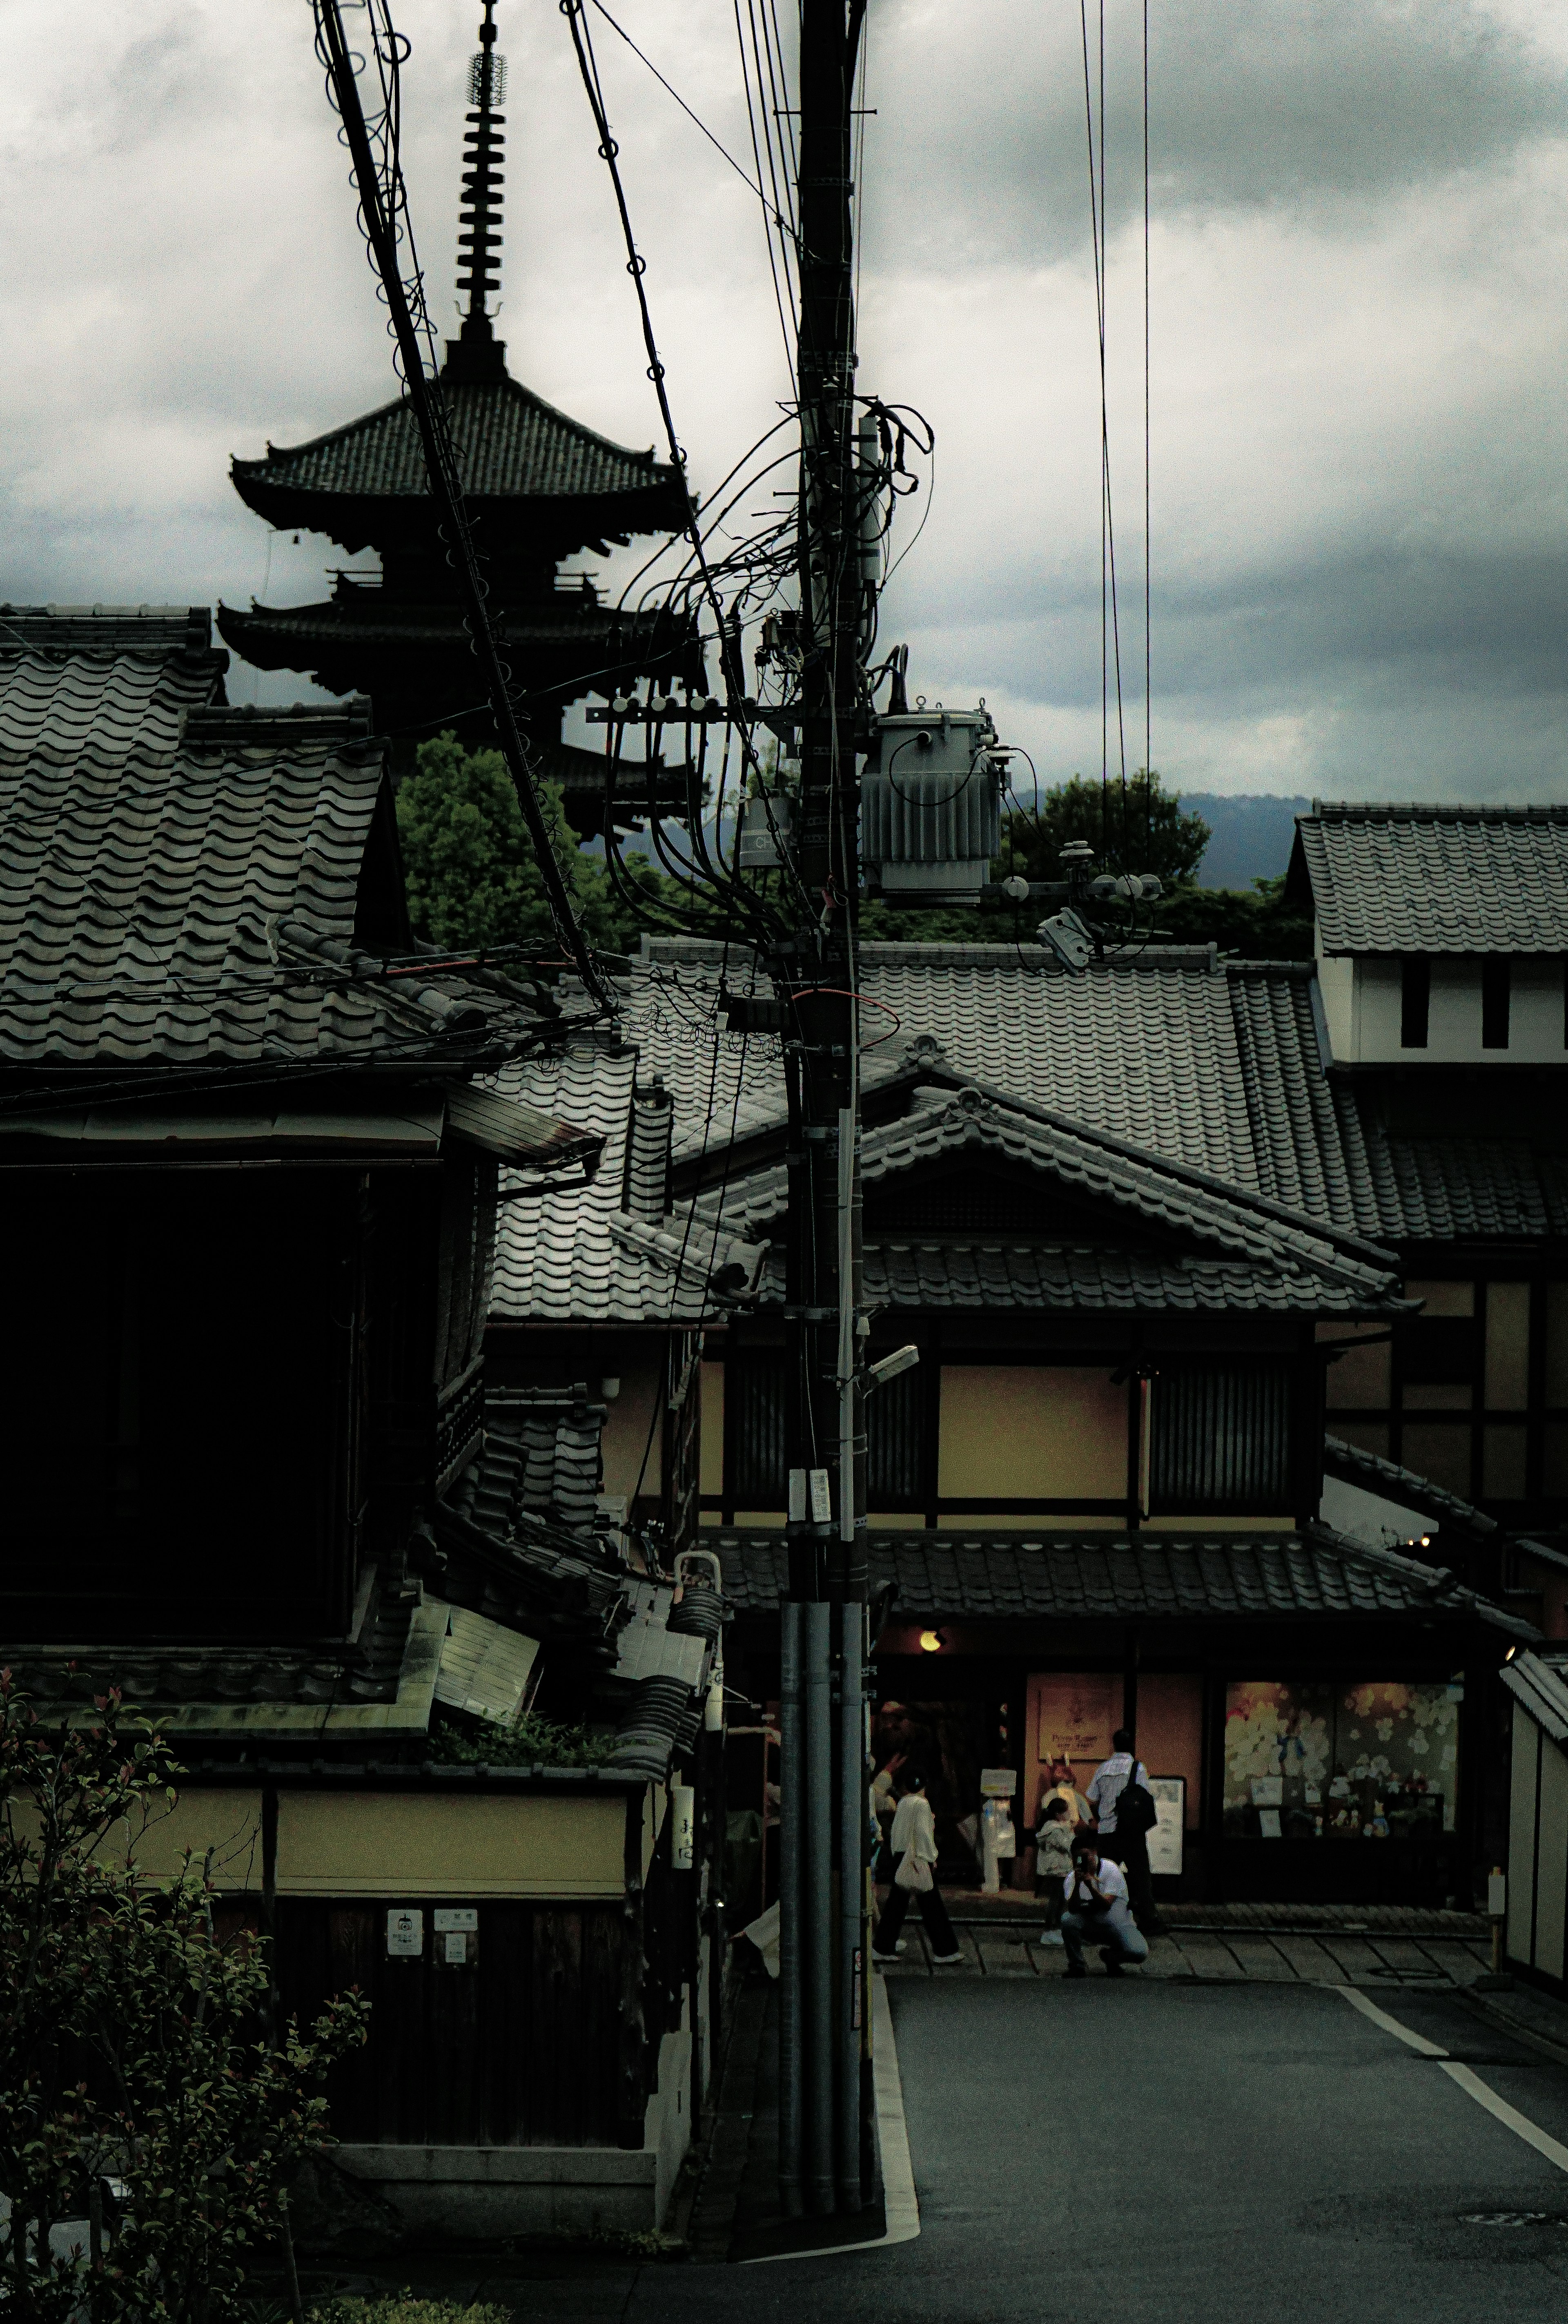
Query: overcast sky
pixel 1360 338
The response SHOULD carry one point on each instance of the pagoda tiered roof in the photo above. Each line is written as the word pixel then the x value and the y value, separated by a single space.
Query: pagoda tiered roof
pixel 512 447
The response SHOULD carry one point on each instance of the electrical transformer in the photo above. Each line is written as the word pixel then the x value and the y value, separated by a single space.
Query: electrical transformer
pixel 931 804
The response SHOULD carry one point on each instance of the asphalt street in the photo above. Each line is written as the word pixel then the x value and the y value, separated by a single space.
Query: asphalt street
pixel 1142 2152
pixel 1139 2152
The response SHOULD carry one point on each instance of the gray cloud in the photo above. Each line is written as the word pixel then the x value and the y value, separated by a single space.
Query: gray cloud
pixel 1319 105
pixel 1360 474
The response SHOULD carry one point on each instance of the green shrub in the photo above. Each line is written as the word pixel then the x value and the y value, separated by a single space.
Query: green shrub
pixel 529 1742
pixel 403 2308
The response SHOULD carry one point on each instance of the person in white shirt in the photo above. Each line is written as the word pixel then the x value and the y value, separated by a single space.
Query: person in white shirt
pixel 914 1835
pixel 1130 1848
pixel 1097 1908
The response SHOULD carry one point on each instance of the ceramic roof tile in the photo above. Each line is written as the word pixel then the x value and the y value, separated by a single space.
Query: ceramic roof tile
pixel 510 443
pixel 180 881
pixel 1412 879
pixel 954 1576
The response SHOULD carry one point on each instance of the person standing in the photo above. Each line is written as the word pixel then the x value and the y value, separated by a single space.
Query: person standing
pixel 1096 1908
pixel 1053 1861
pixel 912 1844
pixel 1119 1842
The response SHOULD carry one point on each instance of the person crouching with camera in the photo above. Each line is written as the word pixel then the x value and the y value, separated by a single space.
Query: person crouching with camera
pixel 1097 1908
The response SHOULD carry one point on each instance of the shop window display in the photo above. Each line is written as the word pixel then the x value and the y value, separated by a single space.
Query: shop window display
pixel 1376 1760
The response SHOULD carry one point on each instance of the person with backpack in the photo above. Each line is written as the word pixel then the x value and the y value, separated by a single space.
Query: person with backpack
pixel 1096 1908
pixel 1125 1814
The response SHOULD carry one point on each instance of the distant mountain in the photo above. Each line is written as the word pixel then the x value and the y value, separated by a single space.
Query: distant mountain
pixel 1252 839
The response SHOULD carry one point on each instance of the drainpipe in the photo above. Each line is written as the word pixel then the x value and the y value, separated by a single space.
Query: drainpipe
pixel 852 1846
pixel 817 1913
pixel 791 1805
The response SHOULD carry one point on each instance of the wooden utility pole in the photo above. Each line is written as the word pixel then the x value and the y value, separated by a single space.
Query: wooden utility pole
pixel 823 1855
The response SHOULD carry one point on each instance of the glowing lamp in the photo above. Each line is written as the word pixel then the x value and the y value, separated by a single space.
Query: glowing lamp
pixel 932 1642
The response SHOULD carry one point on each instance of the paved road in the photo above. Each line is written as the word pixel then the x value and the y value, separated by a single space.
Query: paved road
pixel 1149 2153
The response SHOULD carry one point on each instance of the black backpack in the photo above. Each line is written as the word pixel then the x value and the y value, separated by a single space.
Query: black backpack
pixel 1135 1809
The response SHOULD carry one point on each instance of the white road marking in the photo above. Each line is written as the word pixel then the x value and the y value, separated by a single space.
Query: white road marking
pixel 903 2209
pixel 1519 2124
pixel 1465 2076
pixel 1417 2042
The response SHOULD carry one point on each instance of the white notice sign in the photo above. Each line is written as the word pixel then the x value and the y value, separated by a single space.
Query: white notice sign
pixel 997 1782
pixel 1165 1841
pixel 456 1945
pixel 455 1916
pixel 405 1935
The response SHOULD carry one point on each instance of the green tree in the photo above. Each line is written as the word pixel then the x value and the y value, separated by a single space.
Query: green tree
pixel 132 2041
pixel 473 878
pixel 1144 830
pixel 1257 923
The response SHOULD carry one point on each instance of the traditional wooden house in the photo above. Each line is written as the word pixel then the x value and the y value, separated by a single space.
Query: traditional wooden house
pixel 1118 1215
pixel 251 1474
pixel 541 488
pixel 1442 935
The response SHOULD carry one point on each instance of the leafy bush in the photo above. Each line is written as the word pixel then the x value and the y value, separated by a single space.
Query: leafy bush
pixel 403 2308
pixel 132 2041
pixel 529 1742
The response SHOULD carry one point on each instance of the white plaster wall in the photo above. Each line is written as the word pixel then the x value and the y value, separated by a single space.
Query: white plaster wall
pixel 666 2126
pixel 1364 1022
pixel 1380 1001
pixel 1336 978
pixel 1535 1020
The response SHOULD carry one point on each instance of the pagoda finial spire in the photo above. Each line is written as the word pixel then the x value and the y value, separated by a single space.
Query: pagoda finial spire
pixel 476 353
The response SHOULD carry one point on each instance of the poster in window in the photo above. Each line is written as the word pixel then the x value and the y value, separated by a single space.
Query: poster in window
pixel 1165 1840
pixel 1078 1715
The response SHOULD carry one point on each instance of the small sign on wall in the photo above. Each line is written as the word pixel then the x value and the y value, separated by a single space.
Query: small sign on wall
pixel 405 1933
pixel 1166 1841
pixel 457 1933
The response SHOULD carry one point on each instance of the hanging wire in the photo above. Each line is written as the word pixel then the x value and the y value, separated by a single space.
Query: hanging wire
pixel 374 145
pixel 1147 522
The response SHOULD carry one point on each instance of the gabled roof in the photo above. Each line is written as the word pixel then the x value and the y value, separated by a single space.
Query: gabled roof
pixel 1290 1260
pixel 1540 1682
pixel 512 446
pixel 1390 1482
pixel 183 882
pixel 946 1576
pixel 1411 878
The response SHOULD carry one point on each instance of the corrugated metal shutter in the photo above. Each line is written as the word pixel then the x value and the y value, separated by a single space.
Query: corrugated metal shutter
pixel 893 1415
pixel 758 1478
pixel 1220 1440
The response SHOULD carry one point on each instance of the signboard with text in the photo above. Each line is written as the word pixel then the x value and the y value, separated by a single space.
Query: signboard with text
pixel 1078 1715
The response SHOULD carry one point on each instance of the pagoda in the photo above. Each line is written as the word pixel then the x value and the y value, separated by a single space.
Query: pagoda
pixel 539 486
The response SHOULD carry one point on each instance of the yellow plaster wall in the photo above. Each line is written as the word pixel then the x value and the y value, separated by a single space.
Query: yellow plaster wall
pixel 626 1428
pixel 1043 1432
pixel 398 1844
pixel 229 1823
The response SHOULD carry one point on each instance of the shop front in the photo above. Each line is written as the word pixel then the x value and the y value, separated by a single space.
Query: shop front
pixel 1318 1721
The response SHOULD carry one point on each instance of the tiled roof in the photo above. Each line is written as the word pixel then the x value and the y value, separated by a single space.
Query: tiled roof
pixel 1063 1276
pixel 1435 879
pixel 1150 1194
pixel 574 1256
pixel 540 1457
pixel 263 632
pixel 1540 1682
pixel 180 881
pixel 511 445
pixel 124 697
pixel 1373 1474
pixel 1235 1577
